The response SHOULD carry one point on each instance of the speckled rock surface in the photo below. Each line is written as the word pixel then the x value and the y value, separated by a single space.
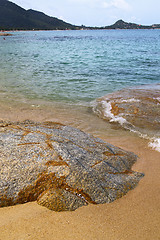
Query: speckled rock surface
pixel 61 167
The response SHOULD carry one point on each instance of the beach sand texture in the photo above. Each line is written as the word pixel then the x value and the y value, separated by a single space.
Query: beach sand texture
pixel 135 216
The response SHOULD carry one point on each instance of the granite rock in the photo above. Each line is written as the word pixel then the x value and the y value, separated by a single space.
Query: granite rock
pixel 61 167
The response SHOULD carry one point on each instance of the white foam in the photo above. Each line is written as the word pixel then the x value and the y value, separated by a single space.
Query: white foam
pixel 158 98
pixel 107 113
pixel 130 100
pixel 155 144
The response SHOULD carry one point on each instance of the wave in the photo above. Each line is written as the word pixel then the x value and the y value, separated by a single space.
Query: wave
pixel 136 109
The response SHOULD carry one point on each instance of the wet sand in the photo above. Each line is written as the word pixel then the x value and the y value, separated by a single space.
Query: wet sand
pixel 135 216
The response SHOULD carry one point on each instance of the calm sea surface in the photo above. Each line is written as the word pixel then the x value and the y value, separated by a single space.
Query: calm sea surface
pixel 76 67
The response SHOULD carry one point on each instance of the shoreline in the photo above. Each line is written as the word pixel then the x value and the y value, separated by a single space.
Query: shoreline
pixel 9 32
pixel 134 216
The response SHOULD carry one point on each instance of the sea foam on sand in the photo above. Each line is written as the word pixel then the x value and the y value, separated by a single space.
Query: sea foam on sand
pixel 155 144
pixel 107 113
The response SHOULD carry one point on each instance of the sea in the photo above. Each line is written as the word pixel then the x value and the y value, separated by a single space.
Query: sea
pixel 100 80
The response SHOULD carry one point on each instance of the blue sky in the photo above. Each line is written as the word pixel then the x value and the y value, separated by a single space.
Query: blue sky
pixel 97 12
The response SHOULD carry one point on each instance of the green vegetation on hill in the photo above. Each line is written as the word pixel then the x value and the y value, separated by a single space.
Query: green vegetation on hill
pixel 120 24
pixel 13 17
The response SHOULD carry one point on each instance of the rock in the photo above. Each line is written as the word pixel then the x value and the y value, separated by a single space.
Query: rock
pixel 61 167
pixel 5 34
pixel 136 108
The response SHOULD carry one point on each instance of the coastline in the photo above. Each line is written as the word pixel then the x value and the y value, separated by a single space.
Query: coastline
pixel 134 216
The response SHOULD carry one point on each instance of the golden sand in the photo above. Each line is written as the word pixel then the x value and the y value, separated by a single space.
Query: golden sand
pixel 135 216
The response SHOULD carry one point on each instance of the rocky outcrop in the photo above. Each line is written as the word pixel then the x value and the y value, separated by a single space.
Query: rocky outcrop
pixel 61 167
pixel 5 34
pixel 136 108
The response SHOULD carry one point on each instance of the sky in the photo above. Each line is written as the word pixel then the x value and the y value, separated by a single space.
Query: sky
pixel 97 12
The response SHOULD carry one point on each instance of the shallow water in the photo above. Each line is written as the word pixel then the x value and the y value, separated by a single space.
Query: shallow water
pixel 58 74
pixel 136 109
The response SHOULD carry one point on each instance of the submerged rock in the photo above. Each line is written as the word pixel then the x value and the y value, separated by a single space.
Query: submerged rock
pixel 61 167
pixel 136 108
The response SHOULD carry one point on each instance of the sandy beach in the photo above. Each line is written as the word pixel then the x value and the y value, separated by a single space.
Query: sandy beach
pixel 135 216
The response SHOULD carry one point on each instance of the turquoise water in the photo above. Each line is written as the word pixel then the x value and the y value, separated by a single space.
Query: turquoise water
pixel 65 71
pixel 77 66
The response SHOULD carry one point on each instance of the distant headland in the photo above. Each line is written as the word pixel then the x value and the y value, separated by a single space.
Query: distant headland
pixel 120 24
pixel 14 17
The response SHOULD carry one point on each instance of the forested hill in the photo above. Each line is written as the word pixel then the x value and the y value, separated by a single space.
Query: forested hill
pixel 13 17
pixel 120 24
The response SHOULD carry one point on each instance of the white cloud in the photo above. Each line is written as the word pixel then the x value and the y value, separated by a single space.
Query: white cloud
pixel 120 4
pixel 106 5
pixel 81 1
